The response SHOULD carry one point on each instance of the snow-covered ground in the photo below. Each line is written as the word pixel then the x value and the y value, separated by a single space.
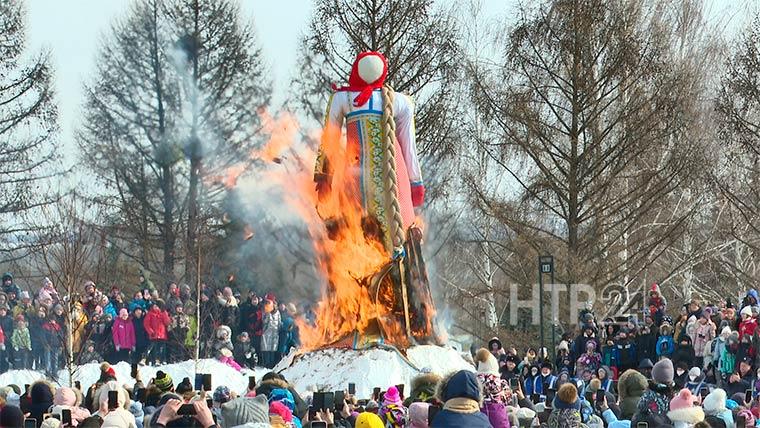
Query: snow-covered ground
pixel 221 374
pixel 334 369
pixel 326 369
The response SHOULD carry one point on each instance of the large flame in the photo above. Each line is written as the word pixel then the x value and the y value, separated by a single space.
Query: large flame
pixel 345 258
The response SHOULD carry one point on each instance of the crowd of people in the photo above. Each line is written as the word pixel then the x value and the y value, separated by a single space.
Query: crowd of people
pixel 41 329
pixel 701 369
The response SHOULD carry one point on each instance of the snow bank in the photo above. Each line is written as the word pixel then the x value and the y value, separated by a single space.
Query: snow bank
pixel 326 369
pixel 333 369
pixel 221 374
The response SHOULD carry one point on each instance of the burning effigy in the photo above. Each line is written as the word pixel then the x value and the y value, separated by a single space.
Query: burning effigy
pixel 369 185
pixel 360 206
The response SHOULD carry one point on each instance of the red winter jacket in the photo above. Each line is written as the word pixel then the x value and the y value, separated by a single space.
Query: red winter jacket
pixel 155 323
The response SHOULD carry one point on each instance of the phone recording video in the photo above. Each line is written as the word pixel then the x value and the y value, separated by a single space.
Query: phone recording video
pixel 351 389
pixel 113 400
pixel 432 411
pixel 207 382
pixel 66 417
pixel 186 410
pixel 340 400
pixel 251 383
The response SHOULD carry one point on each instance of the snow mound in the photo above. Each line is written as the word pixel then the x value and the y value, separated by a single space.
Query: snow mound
pixel 88 374
pixel 333 369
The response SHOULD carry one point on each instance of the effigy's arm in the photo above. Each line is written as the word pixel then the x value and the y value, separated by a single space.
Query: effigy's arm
pixel 407 139
pixel 330 135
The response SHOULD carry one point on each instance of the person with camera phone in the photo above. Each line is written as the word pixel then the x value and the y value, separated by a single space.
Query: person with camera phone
pixel 175 413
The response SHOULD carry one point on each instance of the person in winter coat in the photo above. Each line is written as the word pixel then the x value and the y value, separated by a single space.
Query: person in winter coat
pixel 270 338
pixel 272 381
pixel 35 320
pixel 9 288
pixel 79 321
pixel 748 324
pixel 423 388
pixel 120 416
pixel 695 380
pixel 727 363
pixel 590 361
pixel 243 352
pixel 683 413
pixel 70 399
pixel 52 343
pixel 495 389
pixel 224 348
pixel 703 333
pixel 566 408
pixel 656 303
pixel 392 412
pixel 123 334
pixel 228 304
pixel 626 351
pixel 22 346
pixel 656 399
pixel 714 406
pixel 156 323
pixel 646 343
pixel 665 343
pixel 288 331
pixel 750 299
pixel 89 354
pixel 141 336
pixel 138 302
pixel 417 416
pixel 254 323
pixel 6 349
pixel 720 344
pixel 460 394
pixel 178 330
pixel 41 394
pixel 532 384
pixel 684 352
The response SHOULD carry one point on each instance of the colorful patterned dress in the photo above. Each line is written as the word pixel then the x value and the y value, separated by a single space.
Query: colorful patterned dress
pixel 365 156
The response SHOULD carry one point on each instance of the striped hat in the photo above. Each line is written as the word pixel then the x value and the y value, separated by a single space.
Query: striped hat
pixel 163 381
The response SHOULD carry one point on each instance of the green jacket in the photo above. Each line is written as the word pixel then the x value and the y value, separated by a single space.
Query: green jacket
pixel 21 340
pixel 190 338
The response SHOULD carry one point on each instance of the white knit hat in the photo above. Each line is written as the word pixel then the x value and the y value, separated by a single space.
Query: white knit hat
pixel 746 311
pixel 715 402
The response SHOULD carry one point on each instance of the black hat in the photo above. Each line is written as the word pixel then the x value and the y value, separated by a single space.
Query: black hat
pixel 547 364
pixel 646 363
pixel 512 358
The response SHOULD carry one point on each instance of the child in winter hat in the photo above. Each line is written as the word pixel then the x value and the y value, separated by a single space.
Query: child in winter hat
pixel 393 410
pixel 418 415
pixel 683 413
pixel 715 405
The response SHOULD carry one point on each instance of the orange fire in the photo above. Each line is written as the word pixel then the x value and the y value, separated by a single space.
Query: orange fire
pixel 354 298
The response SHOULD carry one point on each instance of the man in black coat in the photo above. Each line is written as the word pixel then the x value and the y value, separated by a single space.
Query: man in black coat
pixel 141 336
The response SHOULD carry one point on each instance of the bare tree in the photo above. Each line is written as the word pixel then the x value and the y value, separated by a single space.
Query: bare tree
pixel 28 126
pixel 587 117
pixel 173 106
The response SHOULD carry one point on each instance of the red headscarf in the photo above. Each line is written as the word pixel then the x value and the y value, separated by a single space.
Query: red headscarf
pixel 357 84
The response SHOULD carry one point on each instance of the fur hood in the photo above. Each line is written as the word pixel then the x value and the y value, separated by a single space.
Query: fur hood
pixel 276 383
pixel 690 415
pixel 631 384
pixel 666 330
pixel 221 329
pixel 425 379
pixel 486 362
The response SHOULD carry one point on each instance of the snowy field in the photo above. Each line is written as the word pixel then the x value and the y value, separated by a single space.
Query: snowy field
pixel 327 369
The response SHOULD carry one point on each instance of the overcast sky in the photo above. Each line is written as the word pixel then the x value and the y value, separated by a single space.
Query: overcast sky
pixel 71 29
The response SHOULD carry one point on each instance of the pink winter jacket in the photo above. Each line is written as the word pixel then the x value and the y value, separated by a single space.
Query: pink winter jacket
pixel 123 334
pixel 703 334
